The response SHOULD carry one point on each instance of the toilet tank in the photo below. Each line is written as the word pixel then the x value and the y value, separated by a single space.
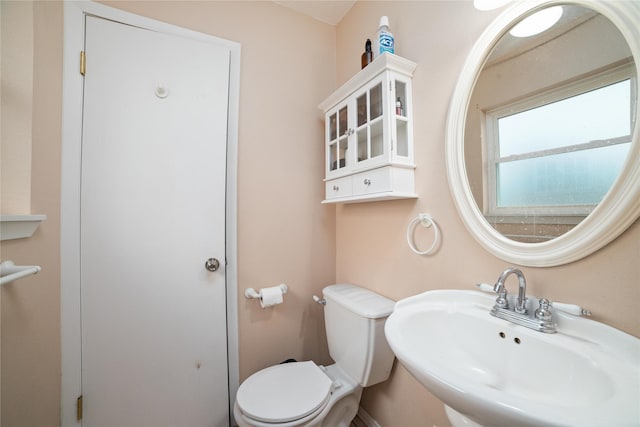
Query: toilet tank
pixel 354 319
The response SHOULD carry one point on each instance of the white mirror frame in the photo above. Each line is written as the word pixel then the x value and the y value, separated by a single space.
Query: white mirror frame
pixel 618 209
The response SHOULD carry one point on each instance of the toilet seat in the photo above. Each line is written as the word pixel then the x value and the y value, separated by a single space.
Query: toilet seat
pixel 284 393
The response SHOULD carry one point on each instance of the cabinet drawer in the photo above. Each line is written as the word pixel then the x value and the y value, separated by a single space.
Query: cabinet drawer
pixel 374 181
pixel 337 188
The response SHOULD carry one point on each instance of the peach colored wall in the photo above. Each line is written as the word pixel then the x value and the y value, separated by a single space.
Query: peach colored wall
pixel 17 98
pixel 284 236
pixel 30 310
pixel 370 238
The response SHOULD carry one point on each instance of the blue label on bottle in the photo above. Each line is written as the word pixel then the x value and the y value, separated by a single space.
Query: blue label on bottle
pixel 386 43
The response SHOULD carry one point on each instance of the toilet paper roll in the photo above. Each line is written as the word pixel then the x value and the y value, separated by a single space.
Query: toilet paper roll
pixel 270 296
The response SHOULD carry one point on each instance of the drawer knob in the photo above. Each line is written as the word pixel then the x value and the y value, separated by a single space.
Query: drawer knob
pixel 336 188
pixel 367 181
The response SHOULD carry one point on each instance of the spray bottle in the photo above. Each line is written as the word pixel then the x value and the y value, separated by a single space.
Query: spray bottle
pixel 384 41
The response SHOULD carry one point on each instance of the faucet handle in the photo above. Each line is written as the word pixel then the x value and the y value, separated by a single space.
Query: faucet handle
pixel 576 310
pixel 502 301
pixel 485 287
pixel 543 312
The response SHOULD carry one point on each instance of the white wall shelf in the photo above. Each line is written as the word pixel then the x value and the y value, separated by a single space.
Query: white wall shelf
pixel 19 226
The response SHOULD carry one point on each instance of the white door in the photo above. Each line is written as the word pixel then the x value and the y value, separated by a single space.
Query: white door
pixel 154 345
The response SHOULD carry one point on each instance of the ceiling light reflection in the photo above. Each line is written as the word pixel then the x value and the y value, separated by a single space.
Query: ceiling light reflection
pixel 537 23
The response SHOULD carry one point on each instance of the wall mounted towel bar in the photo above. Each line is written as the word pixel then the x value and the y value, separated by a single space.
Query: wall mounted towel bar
pixel 10 272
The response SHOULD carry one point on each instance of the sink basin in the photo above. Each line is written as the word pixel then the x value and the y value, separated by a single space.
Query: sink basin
pixel 500 374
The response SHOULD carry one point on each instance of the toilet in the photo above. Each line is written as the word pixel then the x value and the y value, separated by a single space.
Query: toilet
pixel 305 394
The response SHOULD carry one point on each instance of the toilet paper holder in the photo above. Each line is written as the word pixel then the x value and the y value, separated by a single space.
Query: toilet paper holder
pixel 251 293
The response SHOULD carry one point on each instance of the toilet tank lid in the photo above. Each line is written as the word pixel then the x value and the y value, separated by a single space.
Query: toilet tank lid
pixel 360 301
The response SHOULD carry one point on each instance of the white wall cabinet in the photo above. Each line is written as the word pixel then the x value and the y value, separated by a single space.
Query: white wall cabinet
pixel 369 134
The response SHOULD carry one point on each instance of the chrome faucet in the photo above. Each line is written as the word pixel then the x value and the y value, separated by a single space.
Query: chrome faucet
pixel 499 288
pixel 541 320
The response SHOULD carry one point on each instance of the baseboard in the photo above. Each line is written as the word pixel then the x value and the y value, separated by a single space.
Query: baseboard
pixel 363 419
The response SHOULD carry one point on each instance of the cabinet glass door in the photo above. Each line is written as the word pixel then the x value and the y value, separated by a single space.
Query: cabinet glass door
pixel 369 130
pixel 401 119
pixel 338 139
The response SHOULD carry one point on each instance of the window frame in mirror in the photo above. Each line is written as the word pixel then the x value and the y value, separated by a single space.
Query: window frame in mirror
pixel 575 89
pixel 618 209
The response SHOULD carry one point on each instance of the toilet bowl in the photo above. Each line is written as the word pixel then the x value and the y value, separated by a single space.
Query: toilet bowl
pixel 304 394
pixel 296 395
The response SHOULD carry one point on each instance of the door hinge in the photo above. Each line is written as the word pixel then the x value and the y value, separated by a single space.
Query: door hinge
pixel 79 408
pixel 83 63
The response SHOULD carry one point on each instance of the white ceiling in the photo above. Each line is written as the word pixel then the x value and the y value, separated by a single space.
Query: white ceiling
pixel 327 11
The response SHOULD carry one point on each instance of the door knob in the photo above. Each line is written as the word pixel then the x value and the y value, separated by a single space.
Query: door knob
pixel 212 264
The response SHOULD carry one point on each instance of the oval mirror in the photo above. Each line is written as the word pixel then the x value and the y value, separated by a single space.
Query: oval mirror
pixel 543 156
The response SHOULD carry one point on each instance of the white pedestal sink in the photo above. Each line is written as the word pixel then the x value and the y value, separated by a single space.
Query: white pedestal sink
pixel 500 374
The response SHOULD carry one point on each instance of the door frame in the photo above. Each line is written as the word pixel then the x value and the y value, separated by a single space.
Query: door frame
pixel 72 95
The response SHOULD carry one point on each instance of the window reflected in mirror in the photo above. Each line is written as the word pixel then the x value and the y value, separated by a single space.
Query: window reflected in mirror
pixel 561 156
pixel 549 125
